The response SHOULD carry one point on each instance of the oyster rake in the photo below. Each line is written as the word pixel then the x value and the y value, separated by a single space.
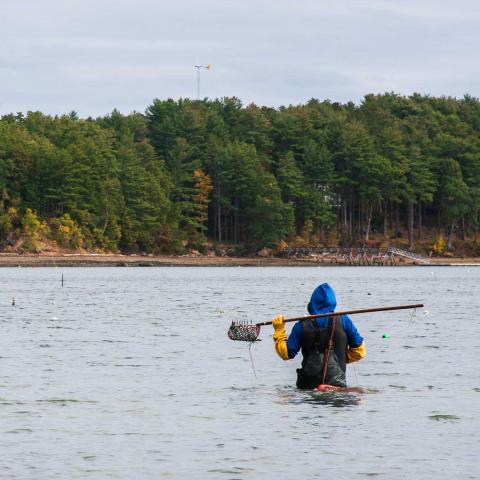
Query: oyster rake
pixel 244 331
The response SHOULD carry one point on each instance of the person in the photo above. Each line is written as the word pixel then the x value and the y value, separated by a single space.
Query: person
pixel 312 336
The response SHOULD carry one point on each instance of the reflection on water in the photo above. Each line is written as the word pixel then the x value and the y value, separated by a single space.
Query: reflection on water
pixel 332 399
pixel 128 373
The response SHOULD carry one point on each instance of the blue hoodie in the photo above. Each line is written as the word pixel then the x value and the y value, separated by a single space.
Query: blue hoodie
pixel 322 301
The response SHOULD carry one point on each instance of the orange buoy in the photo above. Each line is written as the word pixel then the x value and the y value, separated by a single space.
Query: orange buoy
pixel 323 387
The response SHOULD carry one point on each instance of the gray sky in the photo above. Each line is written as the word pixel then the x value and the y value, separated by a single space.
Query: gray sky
pixel 96 55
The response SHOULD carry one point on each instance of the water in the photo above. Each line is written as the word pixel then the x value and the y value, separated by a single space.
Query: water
pixel 127 373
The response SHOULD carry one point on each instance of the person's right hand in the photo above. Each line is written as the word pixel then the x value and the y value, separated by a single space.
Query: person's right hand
pixel 279 322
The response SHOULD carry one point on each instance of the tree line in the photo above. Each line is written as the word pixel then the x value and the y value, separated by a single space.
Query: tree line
pixel 184 172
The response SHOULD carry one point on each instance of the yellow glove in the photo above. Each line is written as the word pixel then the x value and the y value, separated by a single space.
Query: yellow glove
pixel 357 353
pixel 280 337
pixel 279 322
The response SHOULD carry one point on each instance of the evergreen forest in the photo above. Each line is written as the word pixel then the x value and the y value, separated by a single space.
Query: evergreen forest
pixel 185 174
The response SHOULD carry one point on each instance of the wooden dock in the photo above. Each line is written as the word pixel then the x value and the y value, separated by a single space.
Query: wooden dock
pixel 357 256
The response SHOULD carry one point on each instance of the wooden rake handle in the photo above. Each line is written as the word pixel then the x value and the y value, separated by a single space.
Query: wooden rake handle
pixel 348 312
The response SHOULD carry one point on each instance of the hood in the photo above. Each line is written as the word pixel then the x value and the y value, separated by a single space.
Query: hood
pixel 323 300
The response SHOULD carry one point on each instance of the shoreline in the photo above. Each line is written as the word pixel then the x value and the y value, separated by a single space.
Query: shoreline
pixel 86 260
pixel 100 260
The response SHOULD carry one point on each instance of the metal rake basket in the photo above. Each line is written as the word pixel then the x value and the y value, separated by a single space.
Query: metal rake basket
pixel 244 332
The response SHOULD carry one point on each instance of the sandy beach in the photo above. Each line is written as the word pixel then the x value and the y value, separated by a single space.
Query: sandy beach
pixel 77 260
pixel 81 260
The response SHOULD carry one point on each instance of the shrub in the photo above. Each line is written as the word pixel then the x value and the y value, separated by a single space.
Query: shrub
pixel 67 232
pixel 33 230
pixel 5 225
pixel 439 246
